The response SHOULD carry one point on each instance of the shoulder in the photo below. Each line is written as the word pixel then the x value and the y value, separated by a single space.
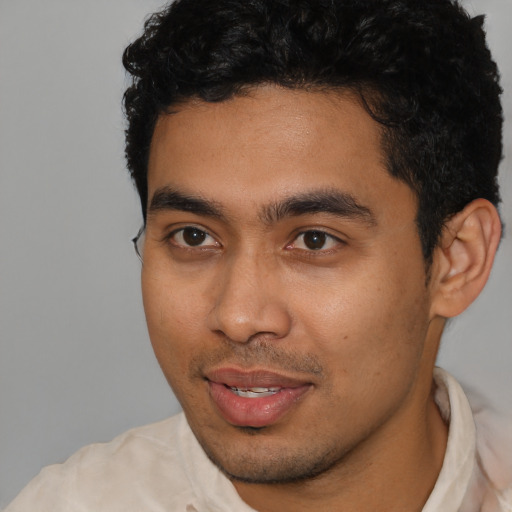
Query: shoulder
pixel 493 448
pixel 115 476
pixel 478 457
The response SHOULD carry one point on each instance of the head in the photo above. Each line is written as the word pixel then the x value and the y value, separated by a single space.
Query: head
pixel 298 164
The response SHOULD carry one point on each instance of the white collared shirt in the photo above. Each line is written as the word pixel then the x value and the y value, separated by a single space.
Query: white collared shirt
pixel 162 468
pixel 471 479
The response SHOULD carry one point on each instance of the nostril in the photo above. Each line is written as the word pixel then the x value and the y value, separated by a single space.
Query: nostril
pixel 270 320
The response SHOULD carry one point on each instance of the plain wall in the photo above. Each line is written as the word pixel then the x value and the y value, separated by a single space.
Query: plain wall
pixel 76 364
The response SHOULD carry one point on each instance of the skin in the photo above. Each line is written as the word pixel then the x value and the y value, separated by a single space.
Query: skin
pixel 355 319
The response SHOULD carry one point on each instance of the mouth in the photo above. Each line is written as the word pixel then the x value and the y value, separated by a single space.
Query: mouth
pixel 254 392
pixel 254 398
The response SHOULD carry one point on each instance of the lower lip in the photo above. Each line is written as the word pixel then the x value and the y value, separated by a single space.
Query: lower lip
pixel 254 412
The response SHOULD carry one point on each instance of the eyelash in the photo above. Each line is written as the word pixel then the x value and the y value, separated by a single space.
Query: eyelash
pixel 170 238
pixel 327 238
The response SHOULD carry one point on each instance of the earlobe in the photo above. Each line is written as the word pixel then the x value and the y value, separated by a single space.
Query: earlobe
pixel 464 257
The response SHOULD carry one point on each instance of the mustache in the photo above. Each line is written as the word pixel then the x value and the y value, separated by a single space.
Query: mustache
pixel 260 354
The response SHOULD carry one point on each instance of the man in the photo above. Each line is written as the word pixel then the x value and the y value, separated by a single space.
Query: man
pixel 318 186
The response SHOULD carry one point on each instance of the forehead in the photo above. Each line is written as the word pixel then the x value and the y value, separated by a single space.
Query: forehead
pixel 268 144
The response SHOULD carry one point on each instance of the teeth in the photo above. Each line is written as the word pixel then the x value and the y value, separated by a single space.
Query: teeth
pixel 254 392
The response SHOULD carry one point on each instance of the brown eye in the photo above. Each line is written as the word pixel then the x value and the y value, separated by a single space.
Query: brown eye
pixel 314 240
pixel 193 236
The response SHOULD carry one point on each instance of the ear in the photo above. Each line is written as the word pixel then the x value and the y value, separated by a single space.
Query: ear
pixel 463 259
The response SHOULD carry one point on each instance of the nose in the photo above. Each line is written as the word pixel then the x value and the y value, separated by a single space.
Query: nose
pixel 249 300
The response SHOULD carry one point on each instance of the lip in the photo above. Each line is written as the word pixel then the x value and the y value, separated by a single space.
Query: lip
pixel 254 412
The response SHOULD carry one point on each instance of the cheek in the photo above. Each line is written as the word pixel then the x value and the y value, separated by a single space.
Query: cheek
pixel 175 326
pixel 367 323
pixel 370 342
pixel 173 321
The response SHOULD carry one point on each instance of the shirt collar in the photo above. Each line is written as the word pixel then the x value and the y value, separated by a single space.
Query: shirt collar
pixel 459 458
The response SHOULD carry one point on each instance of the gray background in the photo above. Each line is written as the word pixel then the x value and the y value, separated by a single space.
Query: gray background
pixel 75 361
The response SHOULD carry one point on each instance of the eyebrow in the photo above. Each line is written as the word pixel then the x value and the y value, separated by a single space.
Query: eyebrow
pixel 333 201
pixel 166 198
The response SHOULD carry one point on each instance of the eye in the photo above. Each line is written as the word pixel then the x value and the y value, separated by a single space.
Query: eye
pixel 315 241
pixel 191 236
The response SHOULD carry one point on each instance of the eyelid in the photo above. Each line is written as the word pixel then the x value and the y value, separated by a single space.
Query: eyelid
pixel 338 241
pixel 169 237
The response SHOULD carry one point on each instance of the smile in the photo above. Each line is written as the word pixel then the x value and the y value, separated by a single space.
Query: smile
pixel 257 398
pixel 254 392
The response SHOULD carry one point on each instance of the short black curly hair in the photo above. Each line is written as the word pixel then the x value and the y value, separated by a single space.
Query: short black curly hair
pixel 422 68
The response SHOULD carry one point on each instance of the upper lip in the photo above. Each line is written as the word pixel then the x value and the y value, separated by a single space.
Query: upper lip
pixel 234 377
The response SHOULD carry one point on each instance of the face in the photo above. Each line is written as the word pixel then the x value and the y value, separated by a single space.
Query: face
pixel 283 281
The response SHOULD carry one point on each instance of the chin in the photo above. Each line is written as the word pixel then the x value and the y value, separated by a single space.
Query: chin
pixel 264 464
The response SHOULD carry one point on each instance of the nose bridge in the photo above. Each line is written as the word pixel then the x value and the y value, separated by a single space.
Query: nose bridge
pixel 248 300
